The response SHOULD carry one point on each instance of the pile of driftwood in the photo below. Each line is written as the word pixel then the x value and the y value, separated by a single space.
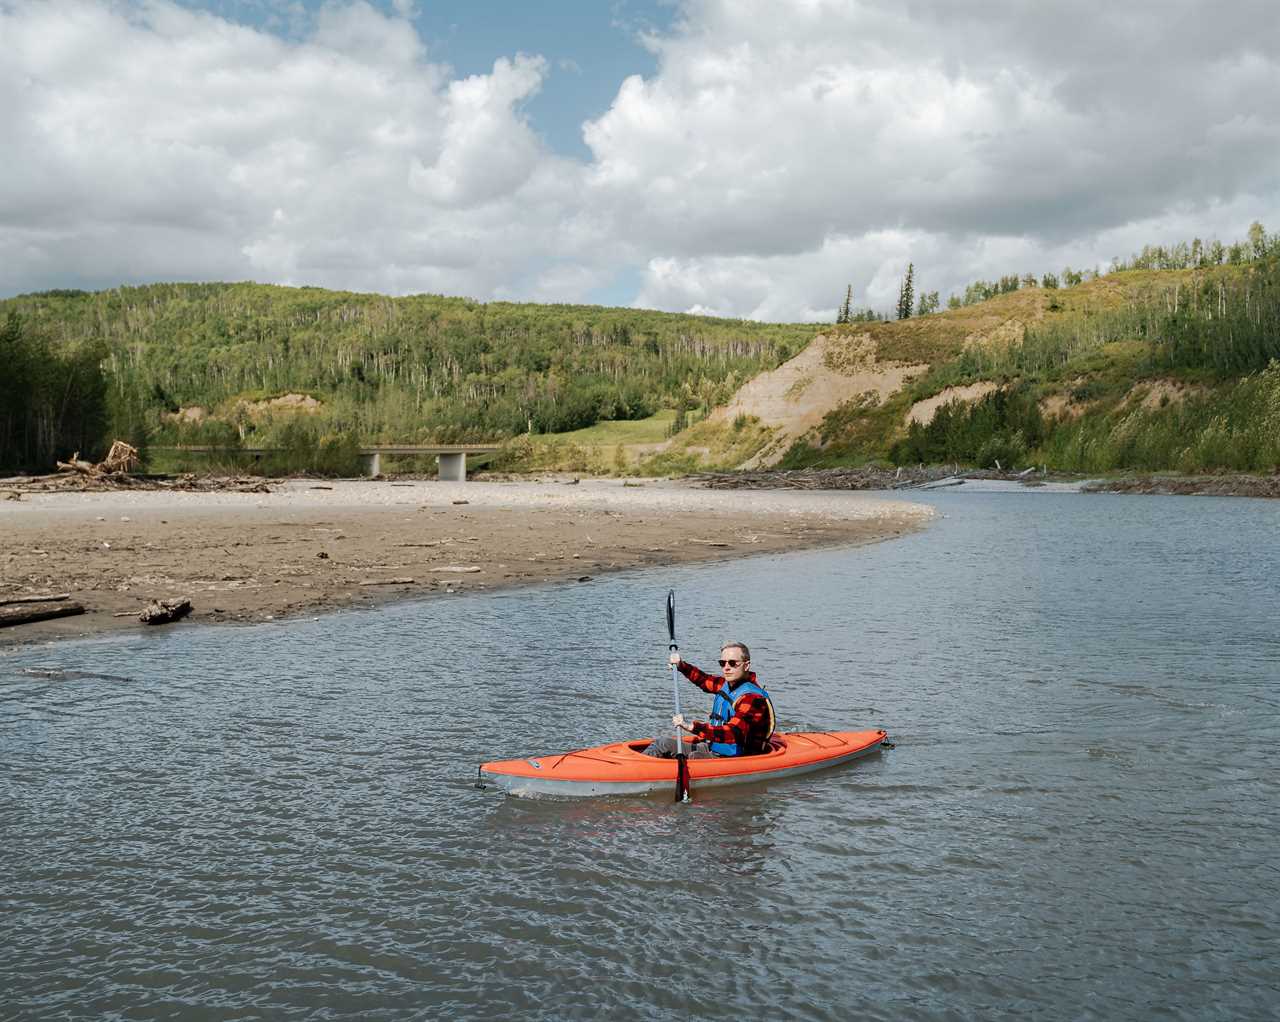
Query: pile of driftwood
pixel 1215 486
pixel 116 472
pixel 22 610
pixel 120 460
pixel 15 486
pixel 865 478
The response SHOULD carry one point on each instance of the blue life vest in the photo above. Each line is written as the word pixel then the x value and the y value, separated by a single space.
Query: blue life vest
pixel 722 710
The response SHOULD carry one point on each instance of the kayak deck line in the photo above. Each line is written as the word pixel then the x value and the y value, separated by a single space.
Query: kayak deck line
pixel 622 767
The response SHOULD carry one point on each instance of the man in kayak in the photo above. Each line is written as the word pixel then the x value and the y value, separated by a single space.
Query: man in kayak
pixel 742 718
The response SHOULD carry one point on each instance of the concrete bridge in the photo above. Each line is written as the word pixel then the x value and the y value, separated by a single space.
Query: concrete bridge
pixel 451 459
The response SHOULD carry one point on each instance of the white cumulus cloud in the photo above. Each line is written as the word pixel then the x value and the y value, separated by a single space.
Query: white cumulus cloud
pixel 780 152
pixel 999 137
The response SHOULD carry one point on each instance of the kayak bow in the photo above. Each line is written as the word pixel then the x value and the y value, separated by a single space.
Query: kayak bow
pixel 622 768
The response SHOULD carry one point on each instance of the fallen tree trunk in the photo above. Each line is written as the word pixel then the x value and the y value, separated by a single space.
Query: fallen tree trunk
pixel 85 468
pixel 25 615
pixel 6 601
pixel 160 612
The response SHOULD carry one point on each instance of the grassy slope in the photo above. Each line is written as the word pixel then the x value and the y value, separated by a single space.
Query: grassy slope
pixel 652 430
pixel 862 431
pixel 1082 364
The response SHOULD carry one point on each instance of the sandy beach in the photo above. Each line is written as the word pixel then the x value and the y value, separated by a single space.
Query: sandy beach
pixel 311 546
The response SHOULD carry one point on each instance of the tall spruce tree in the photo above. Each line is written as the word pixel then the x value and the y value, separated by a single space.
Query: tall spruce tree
pixel 846 310
pixel 906 294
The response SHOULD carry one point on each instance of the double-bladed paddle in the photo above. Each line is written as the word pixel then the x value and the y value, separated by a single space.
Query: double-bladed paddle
pixel 682 761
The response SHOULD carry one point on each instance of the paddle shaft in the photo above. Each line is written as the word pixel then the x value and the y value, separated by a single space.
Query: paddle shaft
pixel 682 763
pixel 673 648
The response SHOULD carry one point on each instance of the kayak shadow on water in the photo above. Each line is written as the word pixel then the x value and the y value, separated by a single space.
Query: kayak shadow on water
pixel 735 826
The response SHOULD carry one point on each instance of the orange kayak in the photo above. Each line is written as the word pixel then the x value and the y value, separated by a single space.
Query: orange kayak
pixel 623 769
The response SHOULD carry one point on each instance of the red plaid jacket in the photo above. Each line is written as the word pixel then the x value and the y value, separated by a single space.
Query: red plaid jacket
pixel 748 728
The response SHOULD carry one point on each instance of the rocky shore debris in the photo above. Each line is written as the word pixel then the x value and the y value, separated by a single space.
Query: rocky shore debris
pixel 76 477
pixel 869 477
pixel 1191 486
pixel 932 477
pixel 117 471
pixel 21 610
pixel 161 612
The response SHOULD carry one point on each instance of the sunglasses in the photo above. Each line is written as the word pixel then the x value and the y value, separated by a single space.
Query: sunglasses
pixel 732 663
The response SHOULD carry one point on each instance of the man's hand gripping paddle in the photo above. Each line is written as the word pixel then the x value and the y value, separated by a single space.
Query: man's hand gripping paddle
pixel 682 761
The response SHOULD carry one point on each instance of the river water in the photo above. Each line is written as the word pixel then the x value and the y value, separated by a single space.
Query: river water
pixel 1079 819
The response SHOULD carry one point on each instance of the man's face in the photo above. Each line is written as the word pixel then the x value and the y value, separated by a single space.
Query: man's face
pixel 733 663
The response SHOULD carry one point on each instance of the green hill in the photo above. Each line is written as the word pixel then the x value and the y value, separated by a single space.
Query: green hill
pixel 1148 369
pixel 1139 369
pixel 302 368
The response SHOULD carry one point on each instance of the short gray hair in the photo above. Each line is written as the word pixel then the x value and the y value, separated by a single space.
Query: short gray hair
pixel 746 653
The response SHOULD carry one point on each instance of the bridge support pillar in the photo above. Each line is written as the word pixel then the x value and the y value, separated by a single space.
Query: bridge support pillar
pixel 375 463
pixel 453 467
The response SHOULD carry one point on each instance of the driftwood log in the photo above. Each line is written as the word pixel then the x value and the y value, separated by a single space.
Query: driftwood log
pixel 161 612
pixel 27 613
pixel 6 601
pixel 120 460
pixel 85 468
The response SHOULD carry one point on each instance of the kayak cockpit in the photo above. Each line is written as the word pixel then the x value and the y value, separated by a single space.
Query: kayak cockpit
pixel 777 746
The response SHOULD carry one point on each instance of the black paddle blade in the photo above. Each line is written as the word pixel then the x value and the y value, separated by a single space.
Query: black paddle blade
pixel 682 777
pixel 671 616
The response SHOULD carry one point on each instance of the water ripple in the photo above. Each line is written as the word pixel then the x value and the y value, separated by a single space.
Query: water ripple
pixel 1077 822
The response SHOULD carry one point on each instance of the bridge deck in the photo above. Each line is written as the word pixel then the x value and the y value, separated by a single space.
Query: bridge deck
pixel 367 450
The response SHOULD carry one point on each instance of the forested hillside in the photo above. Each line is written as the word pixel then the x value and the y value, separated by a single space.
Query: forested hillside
pixel 1138 369
pixel 207 363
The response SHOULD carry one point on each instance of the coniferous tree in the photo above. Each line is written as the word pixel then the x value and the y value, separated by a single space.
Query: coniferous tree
pixel 846 310
pixel 906 294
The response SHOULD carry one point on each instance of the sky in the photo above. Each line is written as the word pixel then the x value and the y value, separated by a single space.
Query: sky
pixel 743 158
